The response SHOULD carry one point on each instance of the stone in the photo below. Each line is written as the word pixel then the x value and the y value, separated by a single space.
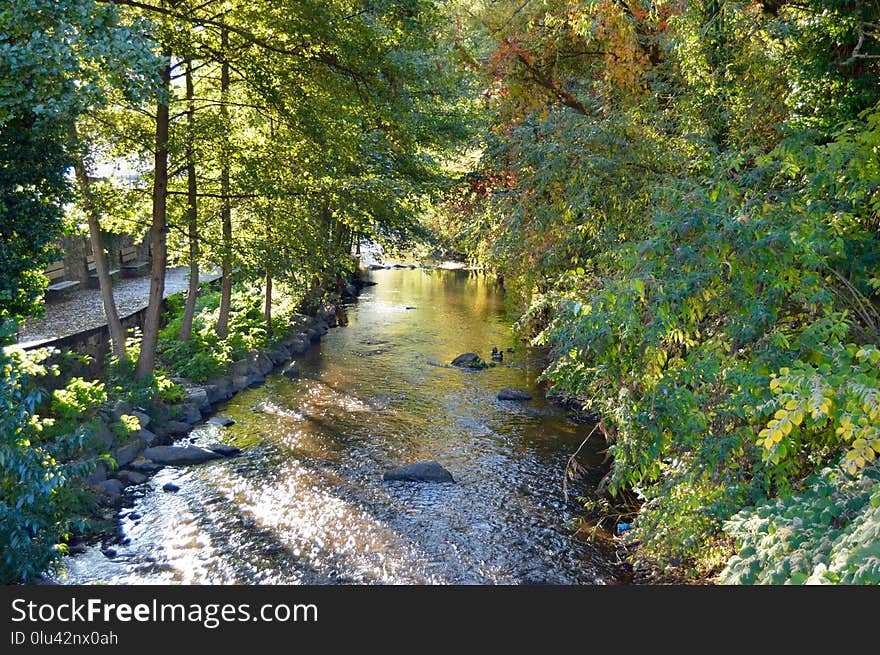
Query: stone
pixel 291 371
pixel 314 335
pixel 170 487
pixel 174 455
pixel 173 429
pixel 299 346
pixel 111 490
pixel 126 454
pixel 143 465
pixel 97 476
pixel 469 360
pixel 223 449
pixel 219 389
pixel 241 367
pixel 149 438
pixel 255 380
pixel 120 407
pixel 509 393
pixel 198 397
pixel 221 421
pixel 278 355
pixel 104 437
pixel 135 516
pixel 129 478
pixel 427 471
pixel 143 419
pixel 189 413
pixel 260 364
pixel 239 382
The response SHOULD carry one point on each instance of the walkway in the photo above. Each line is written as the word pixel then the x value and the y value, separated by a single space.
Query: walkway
pixel 83 310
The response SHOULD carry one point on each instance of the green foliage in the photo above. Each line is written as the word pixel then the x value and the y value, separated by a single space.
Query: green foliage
pixel 35 472
pixel 686 211
pixel 828 534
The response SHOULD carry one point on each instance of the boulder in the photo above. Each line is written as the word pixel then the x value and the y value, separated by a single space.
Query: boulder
pixel 126 454
pixel 149 438
pixel 111 492
pixel 120 407
pixel 198 397
pixel 223 449
pixel 189 413
pixel 143 465
pixel 173 429
pixel 173 455
pixel 170 487
pixel 129 478
pixel 299 346
pixel 104 437
pixel 239 382
pixel 278 355
pixel 221 421
pixel 291 370
pixel 314 335
pixel 239 368
pixel 219 389
pixel 509 393
pixel 255 379
pixel 97 476
pixel 428 471
pixel 469 360
pixel 143 419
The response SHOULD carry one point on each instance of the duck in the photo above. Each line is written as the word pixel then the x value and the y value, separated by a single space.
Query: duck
pixel 497 355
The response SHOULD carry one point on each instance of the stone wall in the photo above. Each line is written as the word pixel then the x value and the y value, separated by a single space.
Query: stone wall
pixel 77 248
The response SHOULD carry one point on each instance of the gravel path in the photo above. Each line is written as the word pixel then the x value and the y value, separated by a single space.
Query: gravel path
pixel 82 309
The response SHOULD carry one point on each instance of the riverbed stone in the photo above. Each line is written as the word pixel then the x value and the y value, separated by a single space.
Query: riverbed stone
pixel 172 429
pixel 278 354
pixel 129 478
pixel 239 382
pixel 197 396
pixel 97 476
pixel 469 360
pixel 291 371
pixel 189 413
pixel 298 346
pixel 509 393
pixel 120 407
pixel 313 334
pixel 174 455
pixel 427 471
pixel 144 465
pixel 111 492
pixel 126 454
pixel 104 437
pixel 255 379
pixel 143 418
pixel 224 449
pixel 170 487
pixel 221 421
pixel 149 438
pixel 239 367
pixel 219 389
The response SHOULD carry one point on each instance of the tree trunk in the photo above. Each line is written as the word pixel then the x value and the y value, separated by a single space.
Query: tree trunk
pixel 267 309
pixel 102 267
pixel 147 360
pixel 226 211
pixel 192 210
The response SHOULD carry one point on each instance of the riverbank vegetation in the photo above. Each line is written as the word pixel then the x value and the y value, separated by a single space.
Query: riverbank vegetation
pixel 683 197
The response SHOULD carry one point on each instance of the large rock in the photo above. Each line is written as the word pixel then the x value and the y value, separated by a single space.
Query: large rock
pixel 129 478
pixel 149 438
pixel 291 370
pixel 189 413
pixel 428 471
pixel 239 382
pixel 126 454
pixel 255 379
pixel 278 354
pixel 143 465
pixel 173 429
pixel 221 421
pixel 120 407
pixel 469 360
pixel 143 419
pixel 198 397
pixel 97 476
pixel 223 449
pixel 174 455
pixel 239 368
pixel 103 435
pixel 219 389
pixel 509 393
pixel 298 346
pixel 111 492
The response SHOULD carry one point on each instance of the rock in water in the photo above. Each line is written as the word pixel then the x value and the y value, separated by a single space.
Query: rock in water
pixel 470 360
pixel 179 454
pixel 292 371
pixel 170 486
pixel 508 393
pixel 429 471
pixel 223 449
pixel 222 421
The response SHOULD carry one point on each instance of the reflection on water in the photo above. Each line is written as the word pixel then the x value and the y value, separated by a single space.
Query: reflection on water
pixel 305 502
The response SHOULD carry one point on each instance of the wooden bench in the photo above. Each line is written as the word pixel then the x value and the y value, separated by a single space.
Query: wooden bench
pixel 131 267
pixel 56 272
pixel 92 269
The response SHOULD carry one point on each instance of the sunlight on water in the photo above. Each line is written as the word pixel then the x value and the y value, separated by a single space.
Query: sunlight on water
pixel 305 502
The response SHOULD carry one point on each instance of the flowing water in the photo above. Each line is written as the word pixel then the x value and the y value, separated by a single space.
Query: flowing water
pixel 305 501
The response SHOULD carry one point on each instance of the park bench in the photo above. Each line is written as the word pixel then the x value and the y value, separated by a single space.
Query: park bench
pixel 92 269
pixel 56 272
pixel 131 267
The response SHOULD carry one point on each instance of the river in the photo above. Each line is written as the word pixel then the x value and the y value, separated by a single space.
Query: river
pixel 305 502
